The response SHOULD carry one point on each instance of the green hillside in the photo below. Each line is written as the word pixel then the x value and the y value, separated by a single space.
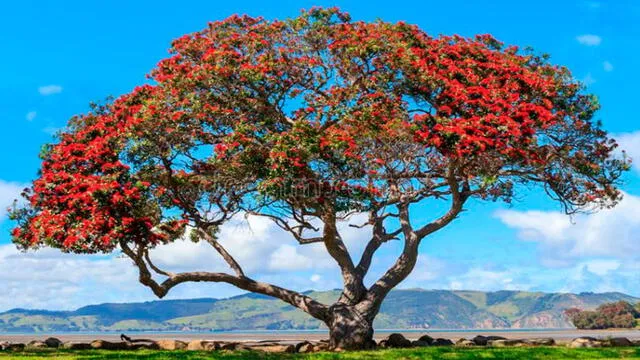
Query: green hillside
pixel 403 309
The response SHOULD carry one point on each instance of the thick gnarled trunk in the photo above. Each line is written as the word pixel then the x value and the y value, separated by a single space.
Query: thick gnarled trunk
pixel 349 329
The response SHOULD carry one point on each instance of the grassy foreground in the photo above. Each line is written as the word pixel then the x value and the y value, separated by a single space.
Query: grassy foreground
pixel 542 353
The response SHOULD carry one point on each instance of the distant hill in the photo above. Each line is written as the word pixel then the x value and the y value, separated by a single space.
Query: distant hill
pixel 403 309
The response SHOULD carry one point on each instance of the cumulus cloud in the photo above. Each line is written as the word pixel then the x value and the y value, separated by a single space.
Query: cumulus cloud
pixel 51 130
pixel 428 269
pixel 47 90
pixel 630 143
pixel 53 280
pixel 9 191
pixel 608 233
pixel 596 275
pixel 259 246
pixel 589 39
pixel 486 280
pixel 602 267
pixel 607 66
pixel 31 115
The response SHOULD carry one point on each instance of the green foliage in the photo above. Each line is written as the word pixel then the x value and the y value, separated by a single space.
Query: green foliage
pixel 619 314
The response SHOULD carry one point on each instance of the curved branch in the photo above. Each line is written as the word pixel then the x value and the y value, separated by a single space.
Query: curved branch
pixel 302 302
pixel 354 289
pixel 296 231
pixel 380 236
pixel 458 198
pixel 155 268
pixel 222 251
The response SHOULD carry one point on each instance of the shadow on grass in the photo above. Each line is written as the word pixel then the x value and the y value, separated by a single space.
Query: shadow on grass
pixel 538 353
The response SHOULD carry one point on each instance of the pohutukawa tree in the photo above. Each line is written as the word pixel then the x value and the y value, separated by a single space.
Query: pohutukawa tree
pixel 306 122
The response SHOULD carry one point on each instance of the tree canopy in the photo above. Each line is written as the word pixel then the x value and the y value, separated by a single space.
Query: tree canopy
pixel 307 121
pixel 619 314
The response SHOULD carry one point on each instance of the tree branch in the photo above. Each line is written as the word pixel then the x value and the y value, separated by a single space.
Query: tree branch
pixel 458 198
pixel 222 251
pixel 380 236
pixel 407 260
pixel 305 303
pixel 354 288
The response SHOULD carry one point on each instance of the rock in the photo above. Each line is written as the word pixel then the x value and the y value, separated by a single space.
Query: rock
pixel 203 345
pixel 144 346
pixel 171 344
pixel 426 338
pixel 229 346
pixel 540 342
pixel 506 342
pixel 305 347
pixel 4 345
pixel 35 344
pixel 383 344
pixel 273 348
pixel 108 345
pixel 396 340
pixel 585 342
pixel 420 343
pixel 308 347
pixel 636 343
pixel 15 347
pixel 619 341
pixel 465 343
pixel 76 346
pixel 53 342
pixel 483 340
pixel 441 342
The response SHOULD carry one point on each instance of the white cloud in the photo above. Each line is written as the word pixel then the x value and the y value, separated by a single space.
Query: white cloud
pixel 630 143
pixel 596 275
pixel 602 267
pixel 9 191
pixel 607 66
pixel 53 280
pixel 533 223
pixel 287 257
pixel 589 39
pixel 259 246
pixel 427 269
pixel 485 280
pixel 31 115
pixel 51 130
pixel 50 90
pixel 608 233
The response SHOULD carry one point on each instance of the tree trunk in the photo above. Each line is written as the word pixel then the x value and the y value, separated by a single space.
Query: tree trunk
pixel 349 329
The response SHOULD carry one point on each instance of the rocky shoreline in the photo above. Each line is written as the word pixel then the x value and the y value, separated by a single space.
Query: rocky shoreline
pixel 393 341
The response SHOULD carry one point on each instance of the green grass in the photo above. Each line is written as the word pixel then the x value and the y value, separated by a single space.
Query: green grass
pixel 542 353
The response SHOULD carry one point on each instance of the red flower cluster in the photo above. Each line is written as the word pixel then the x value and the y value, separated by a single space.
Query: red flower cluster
pixel 87 198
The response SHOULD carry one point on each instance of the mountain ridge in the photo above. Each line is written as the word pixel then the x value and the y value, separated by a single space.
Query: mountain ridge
pixel 403 309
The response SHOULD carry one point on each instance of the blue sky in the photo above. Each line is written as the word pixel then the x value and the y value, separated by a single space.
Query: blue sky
pixel 59 56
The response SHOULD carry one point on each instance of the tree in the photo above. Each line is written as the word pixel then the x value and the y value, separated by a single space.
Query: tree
pixel 308 121
pixel 620 314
